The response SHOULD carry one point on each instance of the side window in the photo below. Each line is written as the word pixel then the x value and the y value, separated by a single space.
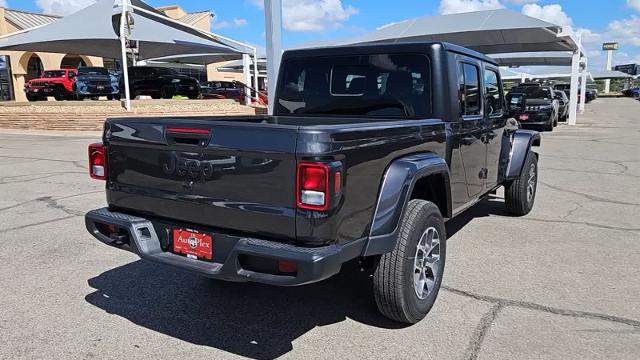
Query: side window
pixel 469 82
pixel 494 95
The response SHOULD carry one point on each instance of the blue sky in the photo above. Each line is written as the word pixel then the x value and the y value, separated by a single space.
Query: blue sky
pixel 312 20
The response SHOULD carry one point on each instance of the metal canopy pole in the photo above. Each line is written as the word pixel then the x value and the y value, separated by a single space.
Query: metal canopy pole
pixel 246 69
pixel 255 72
pixel 273 24
pixel 583 83
pixel 573 97
pixel 123 45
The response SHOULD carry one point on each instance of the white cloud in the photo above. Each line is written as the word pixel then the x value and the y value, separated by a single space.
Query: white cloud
pixel 232 24
pixel 635 4
pixel 3 3
pixel 550 13
pixel 522 2
pixel 62 7
pixel 461 6
pixel 626 31
pixel 313 15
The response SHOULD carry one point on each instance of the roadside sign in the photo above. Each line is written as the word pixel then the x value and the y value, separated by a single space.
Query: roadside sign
pixel 610 46
pixel 631 69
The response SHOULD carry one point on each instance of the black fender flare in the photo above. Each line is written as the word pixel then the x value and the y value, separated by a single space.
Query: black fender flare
pixel 397 186
pixel 521 143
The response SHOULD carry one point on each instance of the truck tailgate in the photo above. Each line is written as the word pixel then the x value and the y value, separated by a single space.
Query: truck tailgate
pixel 236 174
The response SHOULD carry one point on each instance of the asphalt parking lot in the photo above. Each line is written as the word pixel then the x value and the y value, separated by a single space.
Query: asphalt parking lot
pixel 561 283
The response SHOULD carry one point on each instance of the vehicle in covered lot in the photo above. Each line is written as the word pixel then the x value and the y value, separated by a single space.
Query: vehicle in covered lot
pixel 56 83
pixel 160 83
pixel 592 93
pixel 370 150
pixel 633 92
pixel 222 90
pixel 93 82
pixel 542 107
pixel 563 105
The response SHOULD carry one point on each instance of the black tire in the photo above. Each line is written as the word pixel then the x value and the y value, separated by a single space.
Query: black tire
pixel 80 98
pixel 519 198
pixel 109 97
pixel 549 126
pixel 60 97
pixel 194 96
pixel 33 98
pixel 166 93
pixel 393 280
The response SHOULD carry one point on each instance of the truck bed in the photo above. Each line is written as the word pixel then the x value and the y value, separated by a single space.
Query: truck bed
pixel 239 173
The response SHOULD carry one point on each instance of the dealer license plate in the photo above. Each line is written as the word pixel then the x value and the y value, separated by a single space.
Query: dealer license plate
pixel 523 117
pixel 193 244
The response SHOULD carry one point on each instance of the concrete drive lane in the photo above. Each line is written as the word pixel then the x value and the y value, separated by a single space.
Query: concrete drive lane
pixel 561 283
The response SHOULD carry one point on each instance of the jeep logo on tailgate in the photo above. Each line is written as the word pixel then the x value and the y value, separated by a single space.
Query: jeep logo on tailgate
pixel 183 167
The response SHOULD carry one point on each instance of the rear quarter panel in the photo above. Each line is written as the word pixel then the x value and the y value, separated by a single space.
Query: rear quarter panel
pixel 366 151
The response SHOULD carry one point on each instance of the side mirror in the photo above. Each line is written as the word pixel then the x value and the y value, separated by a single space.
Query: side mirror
pixel 517 102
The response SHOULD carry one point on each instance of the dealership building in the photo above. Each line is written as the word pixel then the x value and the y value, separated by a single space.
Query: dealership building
pixel 18 67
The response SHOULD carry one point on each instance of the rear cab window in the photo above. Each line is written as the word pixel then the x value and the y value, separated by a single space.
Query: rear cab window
pixel 469 89
pixel 494 93
pixel 378 85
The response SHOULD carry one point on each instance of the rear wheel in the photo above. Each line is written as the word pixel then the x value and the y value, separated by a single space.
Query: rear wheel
pixel 33 97
pixel 166 93
pixel 549 126
pixel 520 194
pixel 407 280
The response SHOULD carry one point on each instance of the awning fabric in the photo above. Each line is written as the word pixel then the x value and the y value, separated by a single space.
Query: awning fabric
pixel 99 24
pixel 489 32
pixel 556 58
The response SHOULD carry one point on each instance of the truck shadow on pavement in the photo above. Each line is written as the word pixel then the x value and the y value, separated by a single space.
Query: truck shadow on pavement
pixel 252 320
pixel 247 319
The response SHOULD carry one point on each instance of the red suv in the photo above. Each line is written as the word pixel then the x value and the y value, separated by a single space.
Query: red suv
pixel 56 83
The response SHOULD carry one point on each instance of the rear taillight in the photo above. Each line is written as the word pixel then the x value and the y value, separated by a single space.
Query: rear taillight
pixel 313 186
pixel 98 161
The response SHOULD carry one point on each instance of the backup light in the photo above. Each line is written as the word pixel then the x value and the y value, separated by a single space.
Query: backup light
pixel 313 186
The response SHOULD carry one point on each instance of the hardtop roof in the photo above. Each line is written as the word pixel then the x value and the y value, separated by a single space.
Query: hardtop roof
pixel 382 47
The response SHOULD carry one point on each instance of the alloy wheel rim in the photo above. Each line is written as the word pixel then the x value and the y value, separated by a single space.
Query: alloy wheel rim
pixel 426 263
pixel 531 183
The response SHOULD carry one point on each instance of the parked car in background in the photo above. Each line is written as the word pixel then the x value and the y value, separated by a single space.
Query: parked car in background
pixel 93 82
pixel 541 107
pixel 160 83
pixel 563 105
pixel 566 88
pixel 222 90
pixel 633 92
pixel 56 83
pixel 371 149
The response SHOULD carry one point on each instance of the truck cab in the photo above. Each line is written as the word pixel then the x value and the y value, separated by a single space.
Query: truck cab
pixel 370 150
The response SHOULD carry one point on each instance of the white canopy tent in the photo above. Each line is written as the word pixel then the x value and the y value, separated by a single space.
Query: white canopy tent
pixel 149 32
pixel 610 75
pixel 489 32
pixel 553 58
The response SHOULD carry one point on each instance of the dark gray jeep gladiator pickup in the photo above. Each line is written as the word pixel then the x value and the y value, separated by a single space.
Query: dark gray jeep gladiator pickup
pixel 370 150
